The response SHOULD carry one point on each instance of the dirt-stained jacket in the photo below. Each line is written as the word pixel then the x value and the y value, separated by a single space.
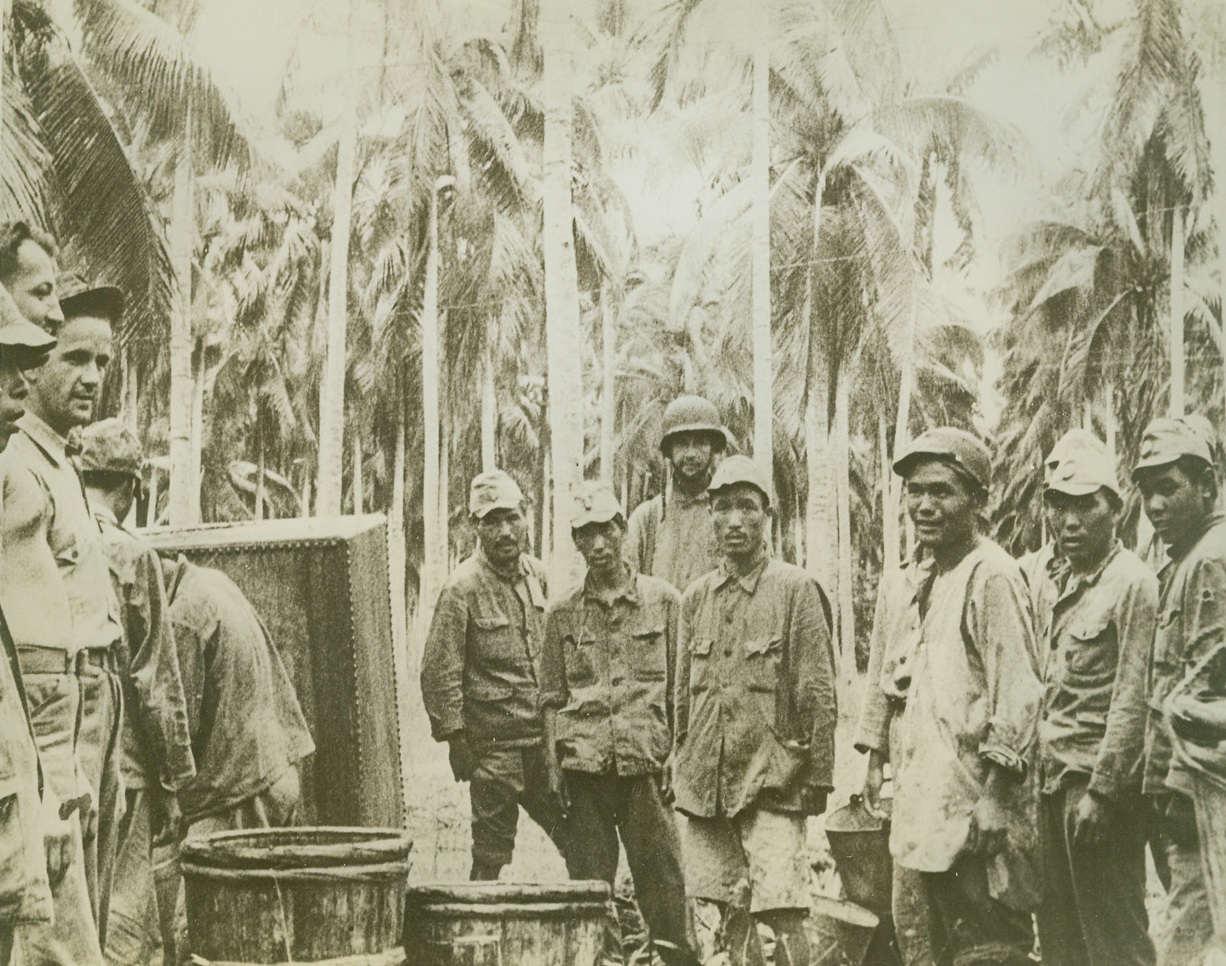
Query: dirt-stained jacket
pixel 608 667
pixel 480 664
pixel 246 723
pixel 673 538
pixel 157 745
pixel 755 694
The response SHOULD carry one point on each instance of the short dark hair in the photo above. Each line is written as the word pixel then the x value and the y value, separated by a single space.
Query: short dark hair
pixel 13 234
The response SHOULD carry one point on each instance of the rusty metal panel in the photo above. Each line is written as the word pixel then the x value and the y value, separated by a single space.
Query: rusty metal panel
pixel 321 587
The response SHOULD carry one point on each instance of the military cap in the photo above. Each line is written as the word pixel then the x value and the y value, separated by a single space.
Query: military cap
pixel 494 490
pixel 1080 463
pixel 17 331
pixel 79 297
pixel 740 469
pixel 594 503
pixel 108 446
pixel 1167 439
pixel 955 447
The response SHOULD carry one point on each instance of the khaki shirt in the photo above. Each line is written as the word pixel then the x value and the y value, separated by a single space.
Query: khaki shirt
pixel 755 700
pixel 479 666
pixel 73 534
pixel 674 540
pixel 1041 569
pixel 246 723
pixel 157 747
pixel 1191 627
pixel 973 700
pixel 892 643
pixel 1094 707
pixel 608 666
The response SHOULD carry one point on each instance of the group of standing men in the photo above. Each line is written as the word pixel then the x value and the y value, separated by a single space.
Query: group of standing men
pixel 134 691
pixel 1042 720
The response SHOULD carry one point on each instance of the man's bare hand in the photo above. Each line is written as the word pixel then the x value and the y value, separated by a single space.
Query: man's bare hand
pixel 989 832
pixel 1090 821
pixel 167 818
pixel 873 780
pixel 57 845
pixel 463 761
pixel 1200 722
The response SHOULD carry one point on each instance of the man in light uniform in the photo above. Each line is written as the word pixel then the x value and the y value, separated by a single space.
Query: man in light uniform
pixel 479 677
pixel 63 397
pixel 755 706
pixel 671 535
pixel 40 616
pixel 607 673
pixel 1184 777
pixel 961 737
pixel 1099 637
pixel 157 753
pixel 25 892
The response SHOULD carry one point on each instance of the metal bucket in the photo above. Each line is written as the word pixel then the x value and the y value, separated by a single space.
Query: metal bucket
pixel 506 924
pixel 839 932
pixel 301 895
pixel 860 845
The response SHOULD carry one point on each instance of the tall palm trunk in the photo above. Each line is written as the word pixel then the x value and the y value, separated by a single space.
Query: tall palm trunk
pixel 182 509
pixel 332 387
pixel 1177 312
pixel 359 488
pixel 608 391
pixel 200 374
pixel 434 520
pixel 889 509
pixel 763 376
pixel 902 441
pixel 563 335
pixel 260 469
pixel 489 410
pixel 846 593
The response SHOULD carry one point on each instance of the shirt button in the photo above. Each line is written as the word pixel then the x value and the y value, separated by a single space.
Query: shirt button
pixel 617 680
pixel 727 618
pixel 727 652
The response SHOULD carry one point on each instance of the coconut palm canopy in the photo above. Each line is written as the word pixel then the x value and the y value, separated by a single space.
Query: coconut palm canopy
pixel 373 247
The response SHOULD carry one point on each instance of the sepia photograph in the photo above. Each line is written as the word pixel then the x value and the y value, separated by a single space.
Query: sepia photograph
pixel 612 482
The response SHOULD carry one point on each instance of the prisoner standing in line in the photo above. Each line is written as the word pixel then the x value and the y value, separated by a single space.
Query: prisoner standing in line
pixel 607 676
pixel 479 677
pixel 755 707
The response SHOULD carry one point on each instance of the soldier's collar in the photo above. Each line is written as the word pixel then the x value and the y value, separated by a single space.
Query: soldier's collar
pixel 678 497
pixel 1071 580
pixel 1211 521
pixel 628 592
pixel 515 572
pixel 748 581
pixel 58 449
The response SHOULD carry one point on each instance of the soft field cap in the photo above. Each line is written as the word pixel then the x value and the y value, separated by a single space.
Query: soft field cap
pixel 955 447
pixel 1167 439
pixel 108 446
pixel 493 491
pixel 740 469
pixel 594 503
pixel 17 331
pixel 1080 464
pixel 79 297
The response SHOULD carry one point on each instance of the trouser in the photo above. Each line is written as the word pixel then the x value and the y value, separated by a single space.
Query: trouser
pixel 1209 799
pixel 503 780
pixel 966 925
pixel 1189 922
pixel 6 943
pixel 134 936
pixel 909 910
pixel 54 701
pixel 601 807
pixel 1093 911
pixel 99 748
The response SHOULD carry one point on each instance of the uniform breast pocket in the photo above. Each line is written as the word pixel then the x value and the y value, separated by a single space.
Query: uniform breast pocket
pixel 700 663
pixel 493 639
pixel 64 548
pixel 648 655
pixel 762 656
pixel 581 663
pixel 1093 653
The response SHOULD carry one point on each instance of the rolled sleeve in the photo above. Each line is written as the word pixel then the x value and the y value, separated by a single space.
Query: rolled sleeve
pixel 873 730
pixel 442 665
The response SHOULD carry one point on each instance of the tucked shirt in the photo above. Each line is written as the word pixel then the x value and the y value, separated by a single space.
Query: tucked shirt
pixel 972 704
pixel 76 543
pixel 246 724
pixel 607 667
pixel 157 746
pixel 32 592
pixel 673 539
pixel 1094 705
pixel 1191 627
pixel 479 666
pixel 755 698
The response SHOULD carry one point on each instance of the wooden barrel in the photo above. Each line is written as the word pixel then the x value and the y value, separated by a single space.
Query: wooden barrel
pixel 296 895
pixel 506 923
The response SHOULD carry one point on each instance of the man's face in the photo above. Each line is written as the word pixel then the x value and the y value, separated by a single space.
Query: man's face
pixel 33 286
pixel 741 515
pixel 14 388
pixel 692 456
pixel 941 505
pixel 504 535
pixel 1084 526
pixel 65 390
pixel 601 545
pixel 1176 505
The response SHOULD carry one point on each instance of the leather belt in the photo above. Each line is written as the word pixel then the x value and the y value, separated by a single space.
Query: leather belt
pixel 99 657
pixel 48 660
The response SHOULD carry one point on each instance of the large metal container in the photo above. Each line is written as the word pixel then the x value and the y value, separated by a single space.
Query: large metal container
pixel 321 588
pixel 860 844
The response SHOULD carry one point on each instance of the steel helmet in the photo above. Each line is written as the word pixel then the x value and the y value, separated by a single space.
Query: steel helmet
pixel 693 414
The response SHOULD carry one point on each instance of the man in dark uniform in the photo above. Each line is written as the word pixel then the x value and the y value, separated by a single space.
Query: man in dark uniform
pixel 755 706
pixel 479 676
pixel 607 674
pixel 671 535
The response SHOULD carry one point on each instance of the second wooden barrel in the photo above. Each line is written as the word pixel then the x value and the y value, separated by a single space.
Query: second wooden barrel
pixel 506 924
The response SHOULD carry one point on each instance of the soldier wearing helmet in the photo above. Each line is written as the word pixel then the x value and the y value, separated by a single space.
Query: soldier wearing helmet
pixel 671 535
